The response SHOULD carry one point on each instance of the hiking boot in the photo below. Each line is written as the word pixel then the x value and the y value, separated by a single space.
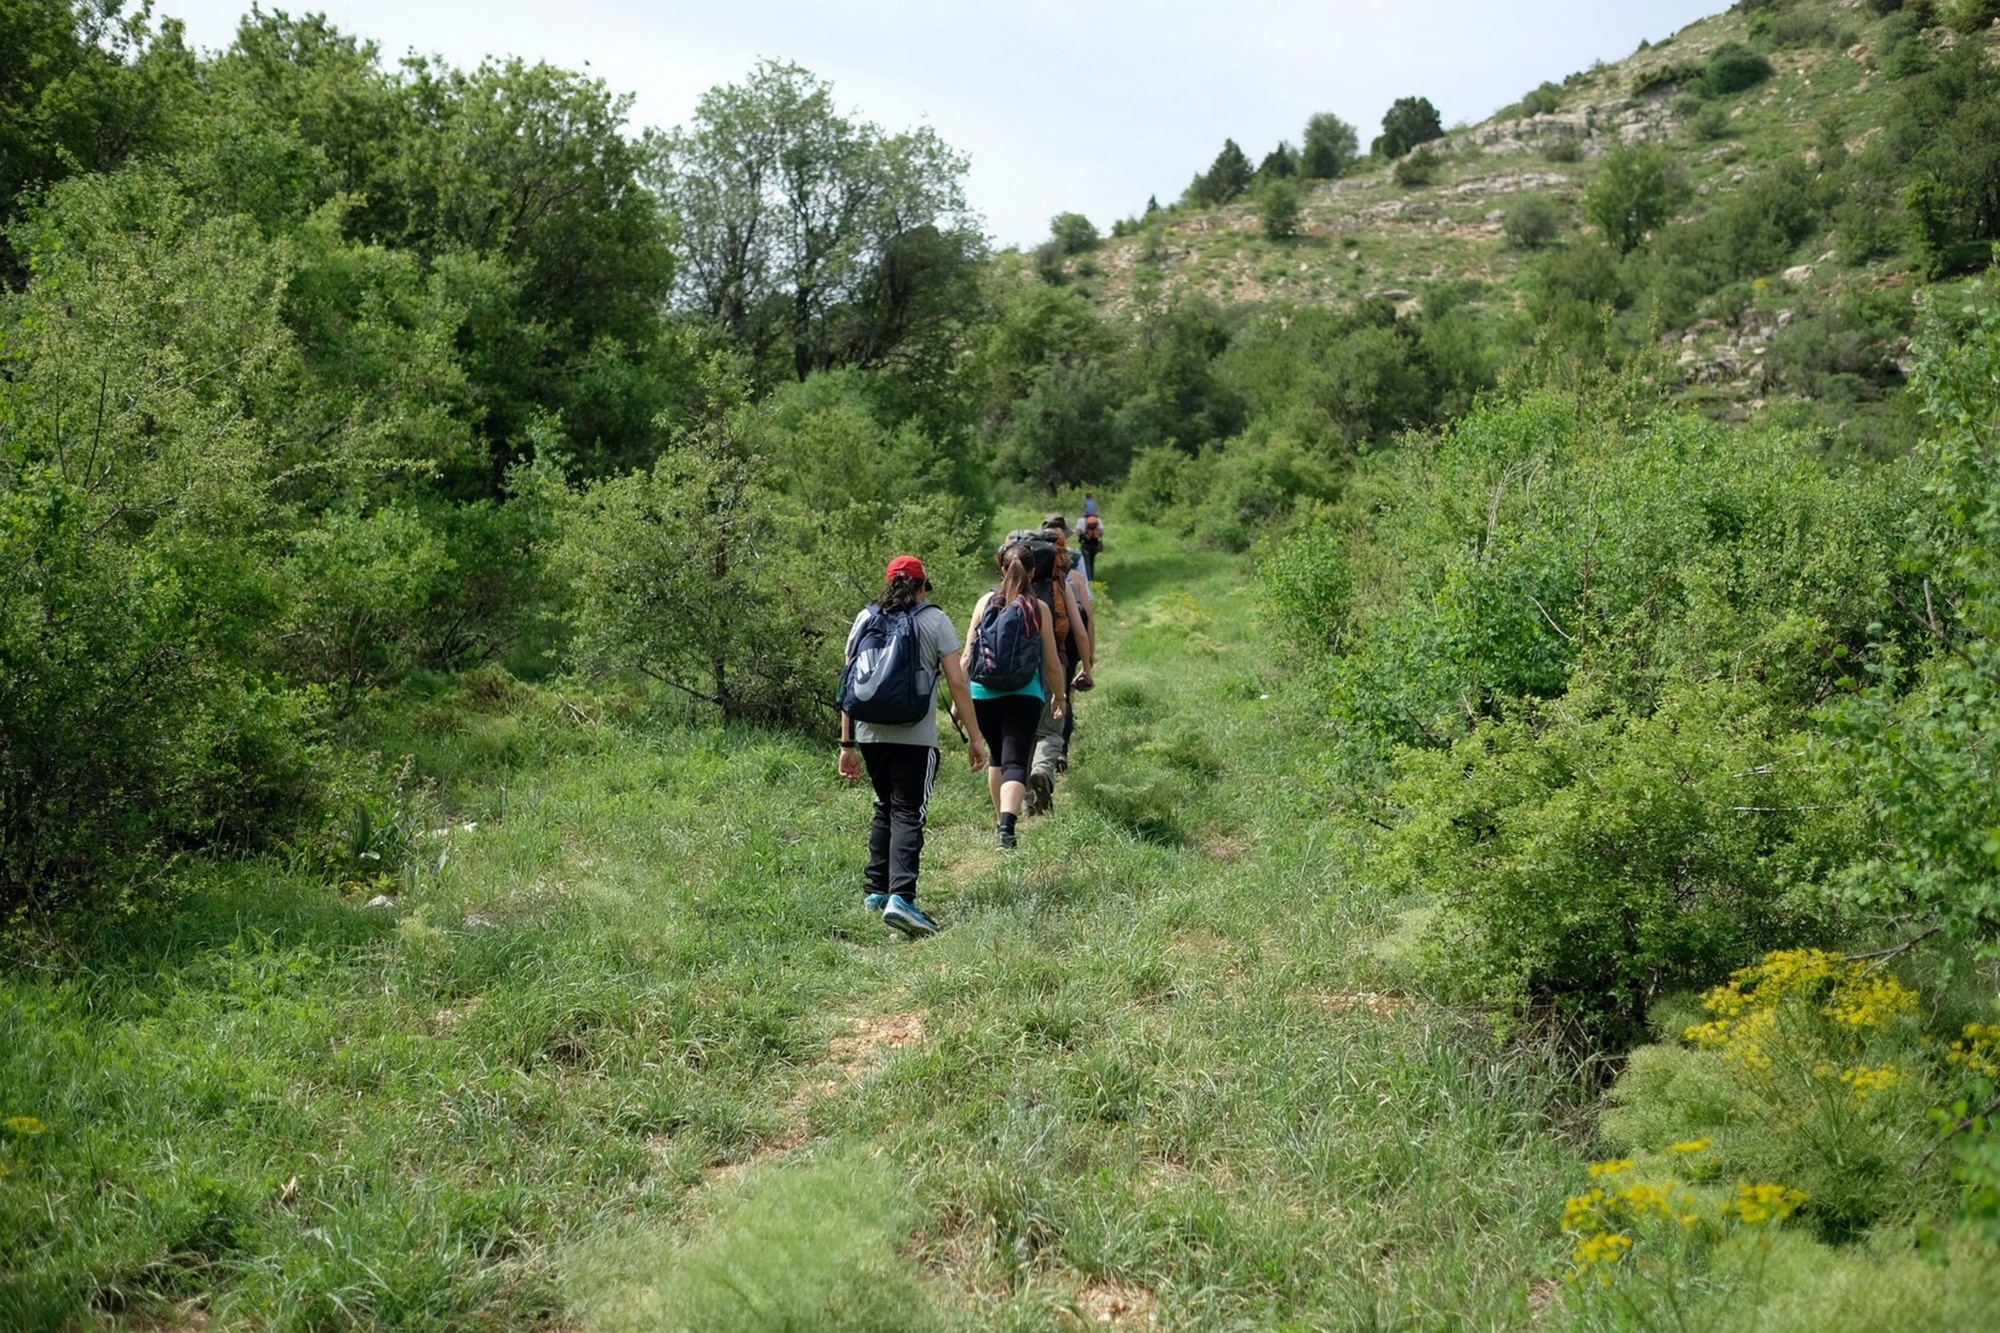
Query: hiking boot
pixel 904 915
pixel 1041 792
pixel 1007 839
pixel 875 903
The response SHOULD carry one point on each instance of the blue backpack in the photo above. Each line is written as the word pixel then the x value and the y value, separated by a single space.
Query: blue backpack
pixel 1006 646
pixel 885 681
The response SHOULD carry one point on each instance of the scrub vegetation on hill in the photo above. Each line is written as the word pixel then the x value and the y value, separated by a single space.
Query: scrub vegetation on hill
pixel 1529 861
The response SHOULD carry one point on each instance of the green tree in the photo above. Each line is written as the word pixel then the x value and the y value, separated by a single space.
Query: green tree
pixel 1073 233
pixel 1732 69
pixel 1410 121
pixel 1226 178
pixel 788 211
pixel 1947 129
pixel 1637 188
pixel 1281 163
pixel 1278 208
pixel 83 86
pixel 1331 147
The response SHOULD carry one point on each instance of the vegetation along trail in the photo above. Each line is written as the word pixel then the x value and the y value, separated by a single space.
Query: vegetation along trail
pixel 629 1044
pixel 1530 855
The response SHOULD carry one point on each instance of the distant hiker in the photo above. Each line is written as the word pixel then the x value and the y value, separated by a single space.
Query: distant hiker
pixel 1090 536
pixel 1079 654
pixel 888 711
pixel 1010 657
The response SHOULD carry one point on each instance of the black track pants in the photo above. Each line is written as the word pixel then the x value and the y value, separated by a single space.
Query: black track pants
pixel 902 775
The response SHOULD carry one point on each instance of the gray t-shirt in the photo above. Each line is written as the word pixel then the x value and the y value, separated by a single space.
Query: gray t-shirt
pixel 936 637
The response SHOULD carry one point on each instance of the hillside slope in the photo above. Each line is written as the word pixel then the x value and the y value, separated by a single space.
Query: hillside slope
pixel 1836 70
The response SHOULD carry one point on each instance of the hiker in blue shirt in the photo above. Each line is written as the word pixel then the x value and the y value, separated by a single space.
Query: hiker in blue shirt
pixel 1010 657
pixel 898 646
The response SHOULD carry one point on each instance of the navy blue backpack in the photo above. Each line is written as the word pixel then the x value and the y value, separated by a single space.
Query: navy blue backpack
pixel 885 681
pixel 1006 645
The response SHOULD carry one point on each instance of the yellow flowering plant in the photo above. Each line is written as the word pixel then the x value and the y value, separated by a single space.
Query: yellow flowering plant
pixel 1646 1247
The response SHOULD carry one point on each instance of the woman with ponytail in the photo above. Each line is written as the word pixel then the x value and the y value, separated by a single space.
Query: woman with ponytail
pixel 1010 658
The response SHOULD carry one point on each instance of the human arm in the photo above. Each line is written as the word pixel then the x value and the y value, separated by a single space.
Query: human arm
pixel 849 766
pixel 961 698
pixel 1081 629
pixel 1052 674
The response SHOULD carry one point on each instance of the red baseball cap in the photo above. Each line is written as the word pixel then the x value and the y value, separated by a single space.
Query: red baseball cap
pixel 907 564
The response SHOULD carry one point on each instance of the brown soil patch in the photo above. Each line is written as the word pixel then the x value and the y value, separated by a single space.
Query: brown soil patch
pixel 1118 1303
pixel 1226 850
pixel 850 1056
pixel 873 1036
pixel 1542 1294
pixel 1359 1001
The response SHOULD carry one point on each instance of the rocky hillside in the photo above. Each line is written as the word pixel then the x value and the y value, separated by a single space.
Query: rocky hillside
pixel 1835 67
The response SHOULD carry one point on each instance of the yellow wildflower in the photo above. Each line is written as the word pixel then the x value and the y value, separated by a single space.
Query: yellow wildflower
pixel 1582 1212
pixel 1606 1247
pixel 25 1125
pixel 1611 1167
pixel 1978 1051
pixel 1865 999
pixel 1758 1204
pixel 1692 1145
pixel 1866 1082
pixel 1643 1198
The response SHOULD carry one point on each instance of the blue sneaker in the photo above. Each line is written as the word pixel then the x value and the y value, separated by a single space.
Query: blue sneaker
pixel 902 914
pixel 874 903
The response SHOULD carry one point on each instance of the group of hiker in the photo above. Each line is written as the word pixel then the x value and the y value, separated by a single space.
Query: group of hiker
pixel 1029 650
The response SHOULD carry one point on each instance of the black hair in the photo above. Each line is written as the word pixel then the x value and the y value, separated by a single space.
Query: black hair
pixel 902 592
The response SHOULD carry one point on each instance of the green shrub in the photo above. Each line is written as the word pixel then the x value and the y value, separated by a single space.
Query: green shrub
pixel 1417 168
pixel 1588 858
pixel 1733 69
pixel 1532 222
pixel 1637 188
pixel 1278 208
pixel 1073 233
pixel 1914 739
pixel 1710 122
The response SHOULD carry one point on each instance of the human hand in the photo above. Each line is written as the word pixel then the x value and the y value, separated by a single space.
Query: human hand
pixel 1056 711
pixel 1084 681
pixel 975 751
pixel 850 764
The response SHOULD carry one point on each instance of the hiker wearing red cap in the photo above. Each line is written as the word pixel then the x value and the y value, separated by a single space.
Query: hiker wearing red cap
pixel 899 645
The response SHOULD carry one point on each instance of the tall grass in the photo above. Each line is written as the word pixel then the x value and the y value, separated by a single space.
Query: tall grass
pixel 607 1031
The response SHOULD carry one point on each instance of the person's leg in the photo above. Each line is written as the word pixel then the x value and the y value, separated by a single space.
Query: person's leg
pixel 914 771
pixel 1069 712
pixel 880 765
pixel 990 712
pixel 1016 747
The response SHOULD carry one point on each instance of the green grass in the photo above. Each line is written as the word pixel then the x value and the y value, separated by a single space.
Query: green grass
pixel 627 1054
pixel 630 992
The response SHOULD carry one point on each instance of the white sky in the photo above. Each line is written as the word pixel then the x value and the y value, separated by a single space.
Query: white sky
pixel 1088 105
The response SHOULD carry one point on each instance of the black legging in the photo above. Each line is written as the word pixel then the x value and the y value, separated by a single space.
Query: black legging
pixel 1009 723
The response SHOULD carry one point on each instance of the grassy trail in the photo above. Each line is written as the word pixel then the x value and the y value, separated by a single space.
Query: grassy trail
pixel 626 1052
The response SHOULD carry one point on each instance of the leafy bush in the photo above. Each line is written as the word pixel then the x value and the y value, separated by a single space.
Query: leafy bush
pixel 1532 548
pixel 708 575
pixel 1417 168
pixel 1532 222
pixel 1073 233
pixel 1278 208
pixel 1733 69
pixel 1915 737
pixel 1590 858
pixel 1637 188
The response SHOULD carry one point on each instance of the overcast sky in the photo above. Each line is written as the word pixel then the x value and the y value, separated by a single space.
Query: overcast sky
pixel 1089 105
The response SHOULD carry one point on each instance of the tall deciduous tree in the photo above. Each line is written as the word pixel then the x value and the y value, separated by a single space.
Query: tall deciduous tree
pixel 803 231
